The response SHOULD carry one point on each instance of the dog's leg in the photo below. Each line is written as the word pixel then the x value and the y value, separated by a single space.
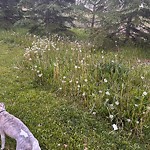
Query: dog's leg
pixel 2 140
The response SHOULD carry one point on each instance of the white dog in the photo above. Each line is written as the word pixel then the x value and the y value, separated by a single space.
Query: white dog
pixel 16 129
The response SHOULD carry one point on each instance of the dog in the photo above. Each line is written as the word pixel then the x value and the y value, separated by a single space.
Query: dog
pixel 16 129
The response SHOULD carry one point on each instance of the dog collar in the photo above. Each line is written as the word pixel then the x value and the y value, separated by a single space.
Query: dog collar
pixel 2 111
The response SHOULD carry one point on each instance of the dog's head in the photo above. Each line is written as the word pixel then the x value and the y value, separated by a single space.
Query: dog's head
pixel 2 106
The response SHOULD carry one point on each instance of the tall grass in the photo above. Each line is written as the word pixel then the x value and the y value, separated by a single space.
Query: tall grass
pixel 106 84
pixel 16 36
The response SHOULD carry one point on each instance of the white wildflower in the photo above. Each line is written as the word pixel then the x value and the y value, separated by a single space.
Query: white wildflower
pixel 144 94
pixel 40 75
pixel 129 120
pixel 141 6
pixel 115 127
pixel 117 103
pixel 142 77
pixel 85 80
pixel 105 80
pixel 100 91
pixel 139 61
pixel 93 94
pixel 77 82
pixel 107 93
pixel 64 77
pixel 76 67
pixel 136 105
pixel 81 61
pixel 83 94
pixel 111 116
pixel 94 113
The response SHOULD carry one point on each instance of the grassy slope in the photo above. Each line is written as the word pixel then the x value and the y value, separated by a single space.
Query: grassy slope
pixel 54 121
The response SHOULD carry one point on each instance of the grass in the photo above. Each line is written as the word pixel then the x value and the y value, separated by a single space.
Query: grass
pixel 57 121
pixel 81 34
pixel 96 80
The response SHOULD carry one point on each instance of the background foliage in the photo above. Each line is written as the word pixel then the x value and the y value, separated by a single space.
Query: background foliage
pixel 109 21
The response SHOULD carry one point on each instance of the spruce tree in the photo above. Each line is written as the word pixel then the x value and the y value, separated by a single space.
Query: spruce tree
pixel 133 21
pixel 8 12
pixel 48 15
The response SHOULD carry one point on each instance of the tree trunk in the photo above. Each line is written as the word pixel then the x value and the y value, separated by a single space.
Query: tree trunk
pixel 128 29
pixel 93 17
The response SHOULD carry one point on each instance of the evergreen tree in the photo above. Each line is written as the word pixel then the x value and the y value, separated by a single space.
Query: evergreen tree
pixel 9 12
pixel 91 10
pixel 124 21
pixel 48 15
pixel 133 21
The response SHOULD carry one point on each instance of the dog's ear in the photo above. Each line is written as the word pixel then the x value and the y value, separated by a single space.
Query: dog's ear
pixel 2 106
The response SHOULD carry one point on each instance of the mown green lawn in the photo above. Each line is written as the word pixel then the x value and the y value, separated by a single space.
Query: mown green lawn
pixel 56 122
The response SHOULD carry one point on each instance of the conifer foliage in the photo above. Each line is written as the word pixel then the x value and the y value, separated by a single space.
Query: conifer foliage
pixel 119 21
pixel 41 14
pixel 48 15
pixel 8 12
pixel 134 21
pixel 116 20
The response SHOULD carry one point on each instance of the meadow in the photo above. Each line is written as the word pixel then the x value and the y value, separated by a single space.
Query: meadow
pixel 73 96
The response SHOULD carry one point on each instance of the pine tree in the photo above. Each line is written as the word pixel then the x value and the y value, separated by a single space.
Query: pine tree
pixel 48 15
pixel 91 9
pixel 8 12
pixel 123 22
pixel 133 21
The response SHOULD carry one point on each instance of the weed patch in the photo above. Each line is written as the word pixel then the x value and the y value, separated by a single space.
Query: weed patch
pixel 70 97
pixel 96 80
